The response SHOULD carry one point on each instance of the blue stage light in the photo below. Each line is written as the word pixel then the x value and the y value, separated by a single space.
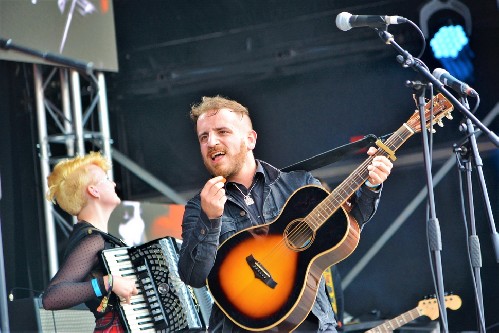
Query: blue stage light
pixel 447 24
pixel 449 41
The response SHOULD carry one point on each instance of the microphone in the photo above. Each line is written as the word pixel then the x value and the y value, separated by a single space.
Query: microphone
pixel 346 21
pixel 462 88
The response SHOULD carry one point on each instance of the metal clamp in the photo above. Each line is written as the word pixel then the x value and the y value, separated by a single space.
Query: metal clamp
pixel 391 153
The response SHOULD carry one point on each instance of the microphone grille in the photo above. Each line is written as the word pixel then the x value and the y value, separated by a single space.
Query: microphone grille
pixel 343 21
pixel 438 72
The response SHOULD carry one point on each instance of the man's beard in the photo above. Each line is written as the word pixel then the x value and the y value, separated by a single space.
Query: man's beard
pixel 236 163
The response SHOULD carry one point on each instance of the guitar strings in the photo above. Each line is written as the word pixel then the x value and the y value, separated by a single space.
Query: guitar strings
pixel 300 234
pixel 321 213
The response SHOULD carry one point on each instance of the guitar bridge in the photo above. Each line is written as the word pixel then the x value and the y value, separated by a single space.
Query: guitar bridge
pixel 260 271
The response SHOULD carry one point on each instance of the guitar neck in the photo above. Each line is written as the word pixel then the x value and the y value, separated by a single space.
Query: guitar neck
pixel 392 324
pixel 345 190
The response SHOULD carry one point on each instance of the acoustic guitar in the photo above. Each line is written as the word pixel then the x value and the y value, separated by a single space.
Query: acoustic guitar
pixel 266 277
pixel 426 307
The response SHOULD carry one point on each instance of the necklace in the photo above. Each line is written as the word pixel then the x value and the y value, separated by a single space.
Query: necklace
pixel 248 200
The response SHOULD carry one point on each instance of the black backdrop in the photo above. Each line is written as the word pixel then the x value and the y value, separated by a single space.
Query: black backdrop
pixel 309 87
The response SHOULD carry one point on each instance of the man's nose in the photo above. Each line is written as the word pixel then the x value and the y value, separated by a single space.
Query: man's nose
pixel 212 140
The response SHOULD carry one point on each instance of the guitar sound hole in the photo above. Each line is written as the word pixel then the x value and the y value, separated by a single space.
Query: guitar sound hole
pixel 298 235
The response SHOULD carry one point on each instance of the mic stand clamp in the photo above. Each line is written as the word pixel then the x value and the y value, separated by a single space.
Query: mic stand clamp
pixel 416 85
pixel 462 154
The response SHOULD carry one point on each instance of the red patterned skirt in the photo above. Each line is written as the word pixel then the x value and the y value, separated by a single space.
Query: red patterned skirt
pixel 110 323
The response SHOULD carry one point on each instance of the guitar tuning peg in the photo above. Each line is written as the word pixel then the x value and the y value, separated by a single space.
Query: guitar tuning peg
pixel 449 116
pixel 432 130
pixel 440 123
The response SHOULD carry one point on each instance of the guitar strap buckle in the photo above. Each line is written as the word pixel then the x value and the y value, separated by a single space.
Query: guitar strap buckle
pixel 391 153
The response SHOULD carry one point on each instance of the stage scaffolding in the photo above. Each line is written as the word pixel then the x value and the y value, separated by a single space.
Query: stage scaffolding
pixel 63 122
pixel 67 124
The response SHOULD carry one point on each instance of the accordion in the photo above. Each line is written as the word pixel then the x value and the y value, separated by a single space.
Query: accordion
pixel 164 303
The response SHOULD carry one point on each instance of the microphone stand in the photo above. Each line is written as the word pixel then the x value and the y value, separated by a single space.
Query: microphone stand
pixel 407 60
pixel 86 67
pixel 433 226
pixel 468 152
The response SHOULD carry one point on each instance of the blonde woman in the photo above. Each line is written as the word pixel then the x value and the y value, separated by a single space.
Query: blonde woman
pixel 81 187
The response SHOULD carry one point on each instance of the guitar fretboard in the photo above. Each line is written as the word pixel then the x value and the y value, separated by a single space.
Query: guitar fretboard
pixel 392 324
pixel 340 194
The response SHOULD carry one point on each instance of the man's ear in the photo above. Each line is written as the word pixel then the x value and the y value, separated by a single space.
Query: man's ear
pixel 251 139
pixel 93 191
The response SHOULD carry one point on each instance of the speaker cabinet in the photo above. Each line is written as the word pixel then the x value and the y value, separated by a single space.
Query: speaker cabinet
pixel 28 315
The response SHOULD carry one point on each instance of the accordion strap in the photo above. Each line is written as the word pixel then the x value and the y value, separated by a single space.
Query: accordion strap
pixel 88 230
pixel 108 237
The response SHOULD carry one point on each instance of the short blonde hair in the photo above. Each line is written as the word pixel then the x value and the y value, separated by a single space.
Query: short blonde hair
pixel 68 181
pixel 216 103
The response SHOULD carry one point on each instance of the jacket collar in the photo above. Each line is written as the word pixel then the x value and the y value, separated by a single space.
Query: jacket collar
pixel 271 173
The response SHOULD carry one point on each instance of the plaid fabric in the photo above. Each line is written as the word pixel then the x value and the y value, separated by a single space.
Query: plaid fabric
pixel 110 323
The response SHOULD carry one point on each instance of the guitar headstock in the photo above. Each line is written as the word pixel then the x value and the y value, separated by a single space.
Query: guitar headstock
pixel 429 307
pixel 453 302
pixel 441 108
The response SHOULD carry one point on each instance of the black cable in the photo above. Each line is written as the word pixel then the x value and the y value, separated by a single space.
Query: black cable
pixel 422 37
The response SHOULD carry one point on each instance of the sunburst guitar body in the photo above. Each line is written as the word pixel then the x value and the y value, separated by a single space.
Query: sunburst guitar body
pixel 266 271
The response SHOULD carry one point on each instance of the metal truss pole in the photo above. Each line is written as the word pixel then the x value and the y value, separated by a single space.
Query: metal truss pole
pixel 66 109
pixel 77 112
pixel 44 168
pixel 104 119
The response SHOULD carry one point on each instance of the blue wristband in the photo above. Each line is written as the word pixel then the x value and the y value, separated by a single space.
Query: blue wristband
pixel 95 285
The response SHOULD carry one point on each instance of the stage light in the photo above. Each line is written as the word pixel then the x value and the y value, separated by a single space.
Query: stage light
pixel 447 24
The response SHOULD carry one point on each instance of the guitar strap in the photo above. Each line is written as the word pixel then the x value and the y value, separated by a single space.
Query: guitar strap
pixel 333 155
pixel 328 276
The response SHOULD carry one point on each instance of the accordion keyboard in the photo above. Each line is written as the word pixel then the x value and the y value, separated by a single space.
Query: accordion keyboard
pixel 164 303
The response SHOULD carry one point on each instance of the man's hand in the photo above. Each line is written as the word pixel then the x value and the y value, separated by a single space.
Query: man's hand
pixel 379 169
pixel 213 197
